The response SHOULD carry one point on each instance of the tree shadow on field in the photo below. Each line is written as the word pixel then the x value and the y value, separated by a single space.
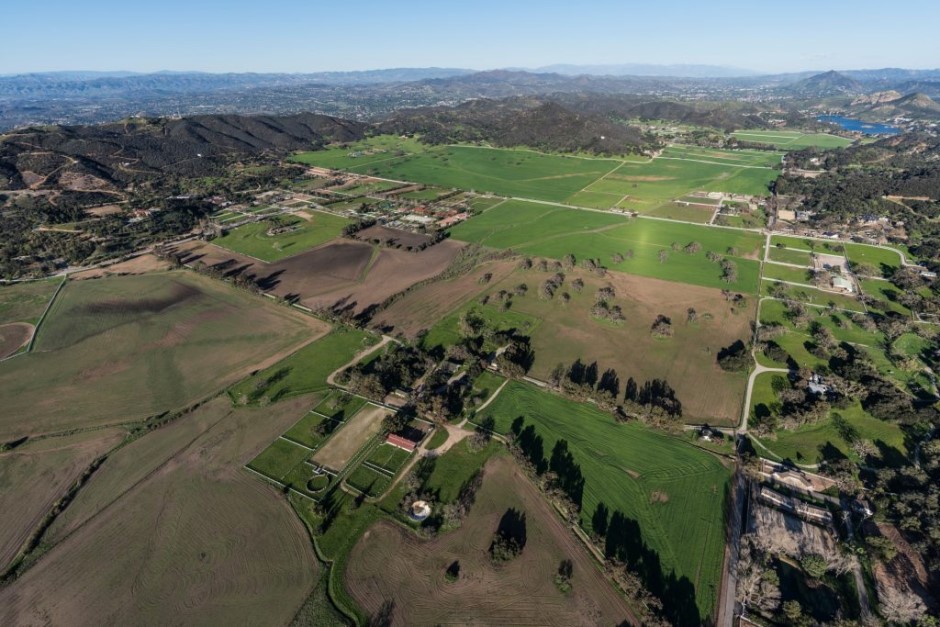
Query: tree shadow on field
pixel 385 615
pixel 625 544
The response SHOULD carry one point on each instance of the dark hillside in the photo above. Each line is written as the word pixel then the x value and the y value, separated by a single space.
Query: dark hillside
pixel 537 123
pixel 120 153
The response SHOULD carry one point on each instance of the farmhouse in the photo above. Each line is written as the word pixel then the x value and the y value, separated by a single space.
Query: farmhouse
pixel 400 442
pixel 842 284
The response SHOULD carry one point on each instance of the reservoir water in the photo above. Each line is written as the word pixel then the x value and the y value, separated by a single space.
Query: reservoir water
pixel 860 126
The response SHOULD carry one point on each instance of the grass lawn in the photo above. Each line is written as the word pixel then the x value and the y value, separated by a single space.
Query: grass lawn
pixel 339 405
pixel 279 459
pixel 305 371
pixel 550 231
pixel 788 255
pixel 454 468
pixel 674 491
pixel 809 244
pixel 252 239
pixel 447 332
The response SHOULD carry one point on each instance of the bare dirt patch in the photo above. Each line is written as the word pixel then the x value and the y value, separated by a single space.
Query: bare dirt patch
pixel 343 445
pixel 391 563
pixel 138 265
pixel 425 306
pixel 198 540
pixel 105 210
pixel 341 274
pixel 395 237
pixel 13 337
pixel 37 474
pixel 392 272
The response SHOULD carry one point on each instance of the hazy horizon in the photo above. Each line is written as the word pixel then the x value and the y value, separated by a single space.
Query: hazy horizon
pixel 297 37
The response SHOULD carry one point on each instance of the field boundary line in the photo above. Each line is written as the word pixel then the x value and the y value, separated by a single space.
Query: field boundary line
pixel 292 441
pixel 42 318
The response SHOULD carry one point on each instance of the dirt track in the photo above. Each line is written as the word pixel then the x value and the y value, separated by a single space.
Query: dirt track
pixel 392 563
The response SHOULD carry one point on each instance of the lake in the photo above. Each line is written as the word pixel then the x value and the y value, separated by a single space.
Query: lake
pixel 860 126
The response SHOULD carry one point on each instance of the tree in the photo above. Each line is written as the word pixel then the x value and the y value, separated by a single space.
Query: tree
pixel 471 323
pixel 568 261
pixel 691 315
pixel 814 565
pixel 663 255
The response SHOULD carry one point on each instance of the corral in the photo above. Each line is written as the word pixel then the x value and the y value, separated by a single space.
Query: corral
pixel 347 440
pixel 392 563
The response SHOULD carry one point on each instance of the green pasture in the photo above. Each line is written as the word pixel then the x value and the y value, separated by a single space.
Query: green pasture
pixel 789 255
pixel 793 140
pixel 886 293
pixel 550 231
pixel 305 371
pixel 252 239
pixel 25 302
pixel 813 296
pixel 368 481
pixel 389 457
pixel 306 430
pixel 279 459
pixel 883 259
pixel 675 491
pixel 788 273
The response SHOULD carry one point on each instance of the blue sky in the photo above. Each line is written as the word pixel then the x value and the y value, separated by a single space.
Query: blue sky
pixel 312 35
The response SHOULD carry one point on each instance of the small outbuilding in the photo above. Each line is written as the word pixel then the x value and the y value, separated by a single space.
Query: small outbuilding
pixel 420 510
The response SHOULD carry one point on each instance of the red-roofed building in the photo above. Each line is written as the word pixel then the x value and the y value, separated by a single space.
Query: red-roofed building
pixel 402 443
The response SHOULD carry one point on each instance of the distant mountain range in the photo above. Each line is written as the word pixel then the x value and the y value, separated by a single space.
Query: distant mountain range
pixel 94 97
pixel 647 69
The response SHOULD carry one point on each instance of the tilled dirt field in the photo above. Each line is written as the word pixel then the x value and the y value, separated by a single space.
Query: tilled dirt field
pixel 345 274
pixel 35 475
pixel 199 540
pixel 13 337
pixel 391 564
pixel 395 236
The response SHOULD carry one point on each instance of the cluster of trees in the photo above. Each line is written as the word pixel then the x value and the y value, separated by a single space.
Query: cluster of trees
pixel 510 537
pixel 399 367
pixel 559 472
pixel 603 309
pixel 653 401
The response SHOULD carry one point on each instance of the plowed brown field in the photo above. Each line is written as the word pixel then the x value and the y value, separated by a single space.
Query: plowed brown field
pixel 392 564
pixel 197 541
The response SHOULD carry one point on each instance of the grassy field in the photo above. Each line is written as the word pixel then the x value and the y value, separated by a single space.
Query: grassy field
pixel 279 459
pixel 25 302
pixel 562 332
pixel 124 348
pixel 352 436
pixel 813 296
pixel 230 550
pixel 788 273
pixel 686 213
pixel 550 231
pixel 886 293
pixel 881 258
pixel 788 255
pixel 792 140
pixel 252 239
pixel 392 562
pixel 636 184
pixel 305 371
pixel 673 490
pixel 388 457
pixel 307 430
